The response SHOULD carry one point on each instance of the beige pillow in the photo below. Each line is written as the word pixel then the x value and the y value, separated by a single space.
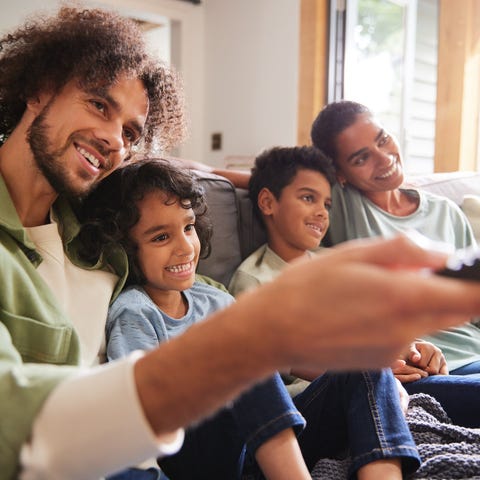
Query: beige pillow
pixel 471 208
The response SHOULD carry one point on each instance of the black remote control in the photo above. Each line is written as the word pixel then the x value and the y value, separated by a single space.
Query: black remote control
pixel 464 264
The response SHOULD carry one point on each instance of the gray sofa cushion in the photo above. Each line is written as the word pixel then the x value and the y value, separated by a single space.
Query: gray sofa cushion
pixel 236 232
pixel 252 234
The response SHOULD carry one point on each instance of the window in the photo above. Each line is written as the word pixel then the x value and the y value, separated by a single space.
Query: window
pixel 386 58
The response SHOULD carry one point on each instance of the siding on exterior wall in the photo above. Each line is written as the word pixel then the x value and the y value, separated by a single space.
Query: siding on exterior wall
pixel 421 125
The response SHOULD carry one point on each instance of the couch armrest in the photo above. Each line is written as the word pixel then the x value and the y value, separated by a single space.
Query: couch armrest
pixel 454 185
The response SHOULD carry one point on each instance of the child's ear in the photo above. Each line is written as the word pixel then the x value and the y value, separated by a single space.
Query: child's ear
pixel 265 201
pixel 341 179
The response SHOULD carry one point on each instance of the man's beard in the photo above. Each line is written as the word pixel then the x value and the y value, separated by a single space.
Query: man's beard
pixel 49 161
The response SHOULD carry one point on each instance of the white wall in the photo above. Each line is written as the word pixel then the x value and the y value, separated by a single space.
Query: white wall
pixel 238 59
pixel 14 13
pixel 251 75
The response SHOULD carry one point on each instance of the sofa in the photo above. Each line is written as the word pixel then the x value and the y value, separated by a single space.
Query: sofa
pixel 237 232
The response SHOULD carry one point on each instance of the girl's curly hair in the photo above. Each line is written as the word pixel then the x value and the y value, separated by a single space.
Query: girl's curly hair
pixel 111 210
pixel 92 47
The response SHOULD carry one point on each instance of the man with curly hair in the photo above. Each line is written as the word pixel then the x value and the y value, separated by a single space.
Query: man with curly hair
pixel 79 95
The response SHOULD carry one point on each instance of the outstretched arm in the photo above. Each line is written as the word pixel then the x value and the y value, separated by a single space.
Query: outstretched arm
pixel 359 305
pixel 354 307
pixel 239 178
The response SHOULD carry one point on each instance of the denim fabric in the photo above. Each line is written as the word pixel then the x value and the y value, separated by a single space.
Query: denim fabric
pixel 470 369
pixel 357 414
pixel 138 474
pixel 216 447
pixel 458 393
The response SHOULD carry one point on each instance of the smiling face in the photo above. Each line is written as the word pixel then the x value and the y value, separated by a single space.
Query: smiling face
pixel 298 220
pixel 168 245
pixel 368 157
pixel 78 137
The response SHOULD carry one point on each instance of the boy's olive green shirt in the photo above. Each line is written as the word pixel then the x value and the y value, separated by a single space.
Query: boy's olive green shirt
pixel 38 345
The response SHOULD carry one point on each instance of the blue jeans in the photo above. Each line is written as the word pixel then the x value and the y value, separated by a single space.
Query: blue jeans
pixel 216 448
pixel 138 474
pixel 353 413
pixel 358 414
pixel 458 393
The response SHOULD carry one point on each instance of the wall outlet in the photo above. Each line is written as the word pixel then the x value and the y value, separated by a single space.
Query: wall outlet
pixel 216 141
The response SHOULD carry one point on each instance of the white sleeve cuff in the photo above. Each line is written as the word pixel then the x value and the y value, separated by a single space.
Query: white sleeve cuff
pixel 93 425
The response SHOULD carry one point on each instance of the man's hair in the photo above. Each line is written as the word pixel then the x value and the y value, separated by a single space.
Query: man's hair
pixel 111 210
pixel 332 120
pixel 93 47
pixel 276 168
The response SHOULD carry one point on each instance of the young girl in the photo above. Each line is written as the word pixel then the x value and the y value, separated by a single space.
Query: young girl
pixel 157 214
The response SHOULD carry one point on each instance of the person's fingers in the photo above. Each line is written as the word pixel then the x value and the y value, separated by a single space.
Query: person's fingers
pixel 409 370
pixel 408 378
pixel 428 352
pixel 443 370
pixel 438 365
pixel 435 360
pixel 398 363
pixel 413 354
pixel 360 305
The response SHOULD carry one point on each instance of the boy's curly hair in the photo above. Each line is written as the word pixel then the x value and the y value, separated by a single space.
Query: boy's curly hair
pixel 111 210
pixel 92 47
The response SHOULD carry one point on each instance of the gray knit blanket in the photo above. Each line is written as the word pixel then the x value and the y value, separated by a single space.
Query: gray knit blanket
pixel 447 451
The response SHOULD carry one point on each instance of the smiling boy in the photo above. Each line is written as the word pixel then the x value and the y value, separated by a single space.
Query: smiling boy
pixel 290 190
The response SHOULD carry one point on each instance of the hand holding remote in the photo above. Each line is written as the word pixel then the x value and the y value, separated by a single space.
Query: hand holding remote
pixel 464 264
